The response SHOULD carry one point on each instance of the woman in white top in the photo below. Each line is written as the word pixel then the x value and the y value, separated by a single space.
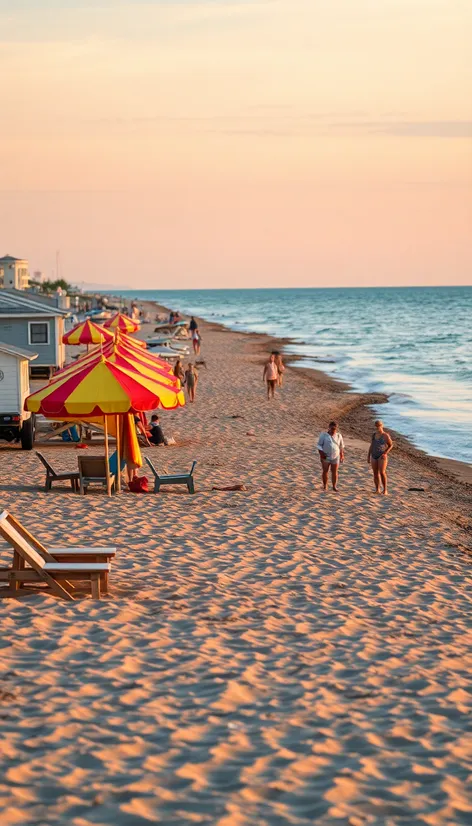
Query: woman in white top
pixel 331 450
pixel 271 375
pixel 196 339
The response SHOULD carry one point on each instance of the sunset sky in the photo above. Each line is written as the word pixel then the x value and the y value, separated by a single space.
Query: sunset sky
pixel 172 143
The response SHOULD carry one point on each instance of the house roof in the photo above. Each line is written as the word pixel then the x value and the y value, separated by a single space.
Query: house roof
pixel 20 302
pixel 10 258
pixel 18 352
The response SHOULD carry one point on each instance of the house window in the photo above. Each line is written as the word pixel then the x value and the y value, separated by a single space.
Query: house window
pixel 39 332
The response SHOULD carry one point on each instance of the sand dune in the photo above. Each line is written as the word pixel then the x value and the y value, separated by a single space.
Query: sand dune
pixel 274 656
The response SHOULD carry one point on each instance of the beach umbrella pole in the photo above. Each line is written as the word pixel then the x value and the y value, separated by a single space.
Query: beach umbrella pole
pixel 118 456
pixel 107 456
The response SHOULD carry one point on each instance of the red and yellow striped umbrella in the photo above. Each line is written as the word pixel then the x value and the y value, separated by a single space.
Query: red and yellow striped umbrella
pixel 87 332
pixel 132 357
pixel 125 345
pixel 143 367
pixel 136 342
pixel 122 322
pixel 102 387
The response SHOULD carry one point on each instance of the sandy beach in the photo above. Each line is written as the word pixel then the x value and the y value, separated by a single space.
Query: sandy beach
pixel 277 655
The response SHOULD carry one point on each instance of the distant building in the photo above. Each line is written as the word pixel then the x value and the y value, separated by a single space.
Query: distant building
pixel 13 273
pixel 35 324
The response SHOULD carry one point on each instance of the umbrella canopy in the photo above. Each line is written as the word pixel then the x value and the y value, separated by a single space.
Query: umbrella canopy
pixel 133 358
pixel 87 332
pixel 145 368
pixel 102 387
pixel 136 342
pixel 143 356
pixel 122 322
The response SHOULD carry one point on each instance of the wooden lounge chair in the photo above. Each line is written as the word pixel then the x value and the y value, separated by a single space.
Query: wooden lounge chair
pixel 61 554
pixel 95 470
pixel 52 476
pixel 173 478
pixel 44 566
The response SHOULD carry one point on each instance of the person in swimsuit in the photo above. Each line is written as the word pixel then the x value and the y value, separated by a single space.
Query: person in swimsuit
pixel 196 339
pixel 380 446
pixel 179 371
pixel 271 376
pixel 191 379
pixel 280 367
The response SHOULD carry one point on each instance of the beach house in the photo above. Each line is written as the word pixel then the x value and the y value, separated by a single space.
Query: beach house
pixel 14 273
pixel 35 324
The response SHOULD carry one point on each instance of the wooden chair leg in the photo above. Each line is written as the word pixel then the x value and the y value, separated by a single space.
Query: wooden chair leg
pixel 95 586
pixel 13 583
pixel 190 486
pixel 104 583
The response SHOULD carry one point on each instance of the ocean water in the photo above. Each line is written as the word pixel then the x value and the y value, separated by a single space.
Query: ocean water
pixel 414 344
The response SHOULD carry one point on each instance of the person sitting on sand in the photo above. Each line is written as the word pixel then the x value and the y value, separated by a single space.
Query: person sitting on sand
pixel 191 380
pixel 271 376
pixel 380 446
pixel 331 450
pixel 157 434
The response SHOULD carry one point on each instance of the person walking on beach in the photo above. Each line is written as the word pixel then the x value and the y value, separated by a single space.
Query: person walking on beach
pixel 280 367
pixel 331 450
pixel 380 446
pixel 191 381
pixel 196 339
pixel 179 371
pixel 270 376
pixel 193 325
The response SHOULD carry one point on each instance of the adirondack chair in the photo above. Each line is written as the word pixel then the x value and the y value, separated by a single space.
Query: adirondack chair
pixel 173 478
pixel 95 470
pixel 53 476
pixel 44 567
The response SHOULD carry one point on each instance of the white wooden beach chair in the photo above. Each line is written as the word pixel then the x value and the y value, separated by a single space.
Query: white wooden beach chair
pixel 58 567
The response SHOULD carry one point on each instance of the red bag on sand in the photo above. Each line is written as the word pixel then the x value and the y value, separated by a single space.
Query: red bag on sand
pixel 139 485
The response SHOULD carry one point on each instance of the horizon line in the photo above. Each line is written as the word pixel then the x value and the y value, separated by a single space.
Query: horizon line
pixel 238 289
